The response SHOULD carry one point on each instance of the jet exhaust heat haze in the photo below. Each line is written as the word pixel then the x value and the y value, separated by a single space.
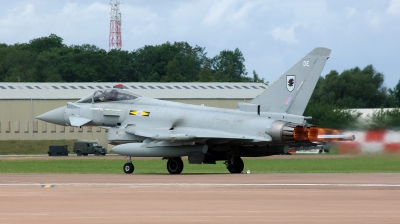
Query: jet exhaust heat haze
pixel 140 126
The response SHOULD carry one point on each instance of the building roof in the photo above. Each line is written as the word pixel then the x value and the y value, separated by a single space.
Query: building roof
pixel 178 90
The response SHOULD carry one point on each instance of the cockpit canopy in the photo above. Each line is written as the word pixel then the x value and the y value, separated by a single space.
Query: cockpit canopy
pixel 108 95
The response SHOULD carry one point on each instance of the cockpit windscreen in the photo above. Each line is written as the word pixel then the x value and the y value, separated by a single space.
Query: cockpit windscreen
pixel 108 95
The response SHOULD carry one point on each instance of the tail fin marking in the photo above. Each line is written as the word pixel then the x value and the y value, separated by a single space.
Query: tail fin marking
pixel 291 92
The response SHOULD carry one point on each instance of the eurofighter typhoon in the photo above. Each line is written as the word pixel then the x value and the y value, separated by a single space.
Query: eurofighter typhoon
pixel 140 126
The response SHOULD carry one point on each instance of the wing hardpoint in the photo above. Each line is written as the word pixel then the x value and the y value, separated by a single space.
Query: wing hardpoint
pixel 284 94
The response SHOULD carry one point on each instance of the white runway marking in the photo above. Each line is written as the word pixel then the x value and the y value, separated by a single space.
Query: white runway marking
pixel 198 184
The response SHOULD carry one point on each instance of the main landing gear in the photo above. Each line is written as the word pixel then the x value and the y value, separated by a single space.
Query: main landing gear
pixel 235 165
pixel 175 165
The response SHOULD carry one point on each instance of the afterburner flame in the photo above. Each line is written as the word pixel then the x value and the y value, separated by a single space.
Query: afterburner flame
pixel 314 134
pixel 330 135
pixel 298 134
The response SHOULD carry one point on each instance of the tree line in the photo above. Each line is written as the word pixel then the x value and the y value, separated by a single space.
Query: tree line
pixel 335 94
pixel 48 59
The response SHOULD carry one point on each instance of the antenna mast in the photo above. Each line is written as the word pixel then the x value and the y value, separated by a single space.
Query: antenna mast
pixel 115 40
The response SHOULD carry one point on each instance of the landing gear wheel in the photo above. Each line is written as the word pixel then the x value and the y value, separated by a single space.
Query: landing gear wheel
pixel 175 165
pixel 129 168
pixel 236 166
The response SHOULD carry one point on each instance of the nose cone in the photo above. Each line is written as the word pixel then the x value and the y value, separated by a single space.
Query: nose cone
pixel 55 116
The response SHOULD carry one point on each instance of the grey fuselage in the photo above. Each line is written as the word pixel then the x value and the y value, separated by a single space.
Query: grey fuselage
pixel 171 117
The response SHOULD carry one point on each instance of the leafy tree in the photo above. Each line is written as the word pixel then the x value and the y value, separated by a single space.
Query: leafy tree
pixel 385 119
pixel 47 67
pixel 18 66
pixel 206 74
pixel 52 75
pixel 256 78
pixel 229 66
pixel 45 43
pixel 152 60
pixel 395 93
pixel 353 88
pixel 173 73
pixel 118 66
pixel 330 116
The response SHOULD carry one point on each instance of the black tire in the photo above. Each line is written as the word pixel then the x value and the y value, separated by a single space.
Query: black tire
pixel 96 153
pixel 84 154
pixel 237 166
pixel 103 154
pixel 129 168
pixel 79 153
pixel 175 165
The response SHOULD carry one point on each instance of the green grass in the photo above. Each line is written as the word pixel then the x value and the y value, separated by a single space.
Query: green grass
pixel 31 147
pixel 295 164
pixel 361 164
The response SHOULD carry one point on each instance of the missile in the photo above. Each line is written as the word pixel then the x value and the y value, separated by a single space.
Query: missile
pixel 143 150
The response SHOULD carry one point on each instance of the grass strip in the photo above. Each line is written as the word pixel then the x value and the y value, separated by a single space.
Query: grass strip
pixel 100 165
pixel 31 147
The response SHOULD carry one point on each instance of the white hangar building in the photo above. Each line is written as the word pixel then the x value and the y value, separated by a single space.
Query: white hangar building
pixel 20 103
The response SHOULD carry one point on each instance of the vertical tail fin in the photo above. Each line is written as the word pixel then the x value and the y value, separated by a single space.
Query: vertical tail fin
pixel 292 91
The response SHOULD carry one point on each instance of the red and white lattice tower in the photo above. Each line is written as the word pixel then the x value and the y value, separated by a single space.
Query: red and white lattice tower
pixel 115 40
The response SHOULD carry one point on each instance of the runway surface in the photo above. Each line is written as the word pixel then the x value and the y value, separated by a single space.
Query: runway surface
pixel 219 198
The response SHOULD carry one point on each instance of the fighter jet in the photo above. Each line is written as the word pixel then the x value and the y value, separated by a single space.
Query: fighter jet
pixel 140 126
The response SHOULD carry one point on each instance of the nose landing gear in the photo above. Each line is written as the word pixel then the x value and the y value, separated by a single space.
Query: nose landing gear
pixel 128 166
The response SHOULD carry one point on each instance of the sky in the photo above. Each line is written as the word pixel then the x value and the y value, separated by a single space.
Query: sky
pixel 272 34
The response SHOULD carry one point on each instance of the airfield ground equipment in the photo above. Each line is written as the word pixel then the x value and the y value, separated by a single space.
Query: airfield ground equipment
pixel 87 147
pixel 58 150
